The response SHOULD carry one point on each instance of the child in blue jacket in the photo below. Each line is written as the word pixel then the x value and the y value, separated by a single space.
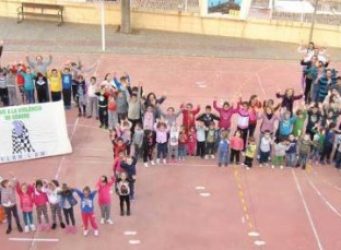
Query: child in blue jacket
pixel 87 209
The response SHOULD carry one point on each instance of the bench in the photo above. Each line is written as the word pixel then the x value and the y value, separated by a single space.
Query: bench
pixel 44 10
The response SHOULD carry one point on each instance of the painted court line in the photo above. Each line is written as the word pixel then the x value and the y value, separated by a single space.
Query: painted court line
pixel 327 182
pixel 33 239
pixel 63 158
pixel 130 233
pixel 324 199
pixel 200 188
pixel 134 242
pixel 311 222
pixel 205 194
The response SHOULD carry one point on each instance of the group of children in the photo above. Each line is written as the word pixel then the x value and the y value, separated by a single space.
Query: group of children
pixel 54 203
pixel 288 132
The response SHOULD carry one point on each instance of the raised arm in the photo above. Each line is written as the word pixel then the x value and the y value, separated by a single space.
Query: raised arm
pixel 215 106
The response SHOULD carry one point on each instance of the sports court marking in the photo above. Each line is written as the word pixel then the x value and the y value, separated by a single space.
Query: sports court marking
pixel 128 233
pixel 134 242
pixel 324 199
pixel 259 242
pixel 33 240
pixel 206 194
pixel 311 222
pixel 200 188
pixel 326 181
pixel 60 165
pixel 260 83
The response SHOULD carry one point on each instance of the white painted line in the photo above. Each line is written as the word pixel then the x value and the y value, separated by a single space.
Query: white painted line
pixel 130 233
pixel 134 242
pixel 200 188
pixel 253 234
pixel 260 84
pixel 324 199
pixel 311 222
pixel 33 239
pixel 243 220
pixel 202 86
pixel 259 242
pixel 63 158
pixel 199 82
pixel 205 194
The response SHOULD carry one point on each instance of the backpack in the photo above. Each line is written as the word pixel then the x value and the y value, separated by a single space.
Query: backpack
pixel 124 189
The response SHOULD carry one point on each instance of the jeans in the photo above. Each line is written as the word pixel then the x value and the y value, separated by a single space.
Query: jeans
pixel 162 150
pixel 182 150
pixel 13 210
pixel 112 119
pixel 201 149
pixel 223 157
pixel 173 151
pixel 30 96
pixel 56 96
pixel 67 98
pixel 302 160
pixel 338 159
pixel 290 159
pixel 235 154
pixel 124 199
pixel 264 157
pixel 69 216
pixel 93 105
pixel 28 218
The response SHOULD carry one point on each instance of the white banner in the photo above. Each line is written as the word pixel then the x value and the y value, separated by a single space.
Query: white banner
pixel 33 131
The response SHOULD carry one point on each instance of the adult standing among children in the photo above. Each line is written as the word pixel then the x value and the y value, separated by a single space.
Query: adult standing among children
pixel 39 65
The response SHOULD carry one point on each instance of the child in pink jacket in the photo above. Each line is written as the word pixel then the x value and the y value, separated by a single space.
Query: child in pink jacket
pixel 104 187
pixel 25 193
pixel 226 112
pixel 41 201
pixel 243 120
pixel 237 145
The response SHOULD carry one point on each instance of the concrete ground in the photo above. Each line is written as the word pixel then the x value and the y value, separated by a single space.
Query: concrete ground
pixel 46 36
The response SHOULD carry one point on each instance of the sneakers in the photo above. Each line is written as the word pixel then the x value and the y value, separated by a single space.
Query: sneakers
pixel 152 162
pixel 164 161
pixel 146 164
pixel 157 161
pixel 85 232
pixel 62 225
pixel 102 221
pixel 96 233
pixel 282 167
pixel 122 213
pixel 110 222
pixel 26 229
pixel 273 166
pixel 9 230
pixel 212 157
pixel 260 165
pixel 33 227
pixel 248 168
pixel 20 229
pixel 219 164
pixel 206 157
pixel 54 226
pixel 128 213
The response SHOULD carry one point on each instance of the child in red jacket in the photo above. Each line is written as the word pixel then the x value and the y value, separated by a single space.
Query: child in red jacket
pixel 188 115
pixel 25 193
pixel 192 142
pixel 41 201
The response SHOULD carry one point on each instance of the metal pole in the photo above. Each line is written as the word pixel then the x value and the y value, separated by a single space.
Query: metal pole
pixel 103 24
pixel 313 22
pixel 186 5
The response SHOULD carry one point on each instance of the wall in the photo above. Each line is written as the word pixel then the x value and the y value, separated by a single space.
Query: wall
pixel 192 23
